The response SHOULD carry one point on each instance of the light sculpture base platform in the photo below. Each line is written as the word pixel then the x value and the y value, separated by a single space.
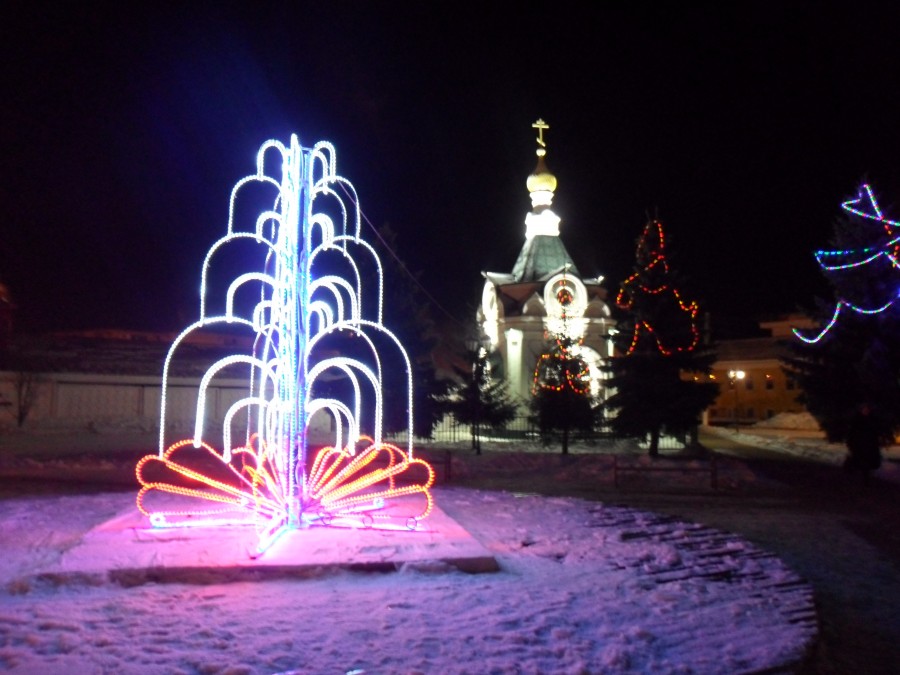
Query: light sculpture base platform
pixel 128 550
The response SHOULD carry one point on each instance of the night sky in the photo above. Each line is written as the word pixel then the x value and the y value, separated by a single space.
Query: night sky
pixel 124 127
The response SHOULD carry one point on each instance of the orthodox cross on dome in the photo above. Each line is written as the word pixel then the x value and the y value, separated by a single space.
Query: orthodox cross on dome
pixel 541 185
pixel 540 125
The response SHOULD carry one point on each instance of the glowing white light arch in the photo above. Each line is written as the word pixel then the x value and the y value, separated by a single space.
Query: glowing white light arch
pixel 296 322
pixel 350 368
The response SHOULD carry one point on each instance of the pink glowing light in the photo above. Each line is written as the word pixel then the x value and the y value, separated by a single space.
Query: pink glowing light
pixel 266 475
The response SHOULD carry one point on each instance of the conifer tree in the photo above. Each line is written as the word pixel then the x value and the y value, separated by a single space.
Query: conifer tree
pixel 561 392
pixel 854 359
pixel 478 399
pixel 660 374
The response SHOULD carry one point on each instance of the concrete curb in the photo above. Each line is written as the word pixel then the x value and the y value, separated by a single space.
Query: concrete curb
pixel 126 550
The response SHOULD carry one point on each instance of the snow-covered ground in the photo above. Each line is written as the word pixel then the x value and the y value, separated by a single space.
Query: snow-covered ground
pixel 584 587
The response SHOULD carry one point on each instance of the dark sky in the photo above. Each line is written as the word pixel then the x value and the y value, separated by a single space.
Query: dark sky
pixel 744 125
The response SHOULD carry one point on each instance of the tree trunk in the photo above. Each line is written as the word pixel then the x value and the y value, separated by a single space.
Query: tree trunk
pixel 476 442
pixel 654 443
pixel 565 441
pixel 26 395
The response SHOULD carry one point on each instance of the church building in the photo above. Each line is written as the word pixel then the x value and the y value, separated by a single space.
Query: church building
pixel 544 296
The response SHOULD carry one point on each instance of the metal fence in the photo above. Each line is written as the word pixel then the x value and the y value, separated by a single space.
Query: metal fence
pixel 521 428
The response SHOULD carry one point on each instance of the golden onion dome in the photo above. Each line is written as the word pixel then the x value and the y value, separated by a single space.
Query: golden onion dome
pixel 541 179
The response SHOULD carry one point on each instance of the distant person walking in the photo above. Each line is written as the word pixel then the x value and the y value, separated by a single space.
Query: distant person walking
pixel 863 443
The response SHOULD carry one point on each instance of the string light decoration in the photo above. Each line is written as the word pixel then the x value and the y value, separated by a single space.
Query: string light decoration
pixel 652 279
pixel 865 206
pixel 300 313
pixel 562 366
pixel 562 399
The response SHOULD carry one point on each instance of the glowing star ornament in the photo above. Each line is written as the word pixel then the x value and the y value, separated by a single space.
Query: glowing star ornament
pixel 885 253
pixel 295 309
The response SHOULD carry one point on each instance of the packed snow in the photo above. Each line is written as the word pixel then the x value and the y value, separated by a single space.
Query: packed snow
pixel 583 588
pixel 788 420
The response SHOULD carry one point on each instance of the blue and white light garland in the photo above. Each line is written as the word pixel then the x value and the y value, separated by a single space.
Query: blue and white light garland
pixel 865 206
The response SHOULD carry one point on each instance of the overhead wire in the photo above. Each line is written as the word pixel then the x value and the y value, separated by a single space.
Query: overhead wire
pixel 400 262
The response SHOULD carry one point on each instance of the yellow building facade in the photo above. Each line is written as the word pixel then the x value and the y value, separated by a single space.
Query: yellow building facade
pixel 753 385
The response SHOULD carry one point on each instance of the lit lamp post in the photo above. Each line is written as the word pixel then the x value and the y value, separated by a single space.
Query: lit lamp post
pixel 735 376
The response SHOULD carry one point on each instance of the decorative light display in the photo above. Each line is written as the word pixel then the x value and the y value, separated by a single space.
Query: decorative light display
pixel 874 213
pixel 564 297
pixel 562 368
pixel 865 206
pixel 653 279
pixel 302 311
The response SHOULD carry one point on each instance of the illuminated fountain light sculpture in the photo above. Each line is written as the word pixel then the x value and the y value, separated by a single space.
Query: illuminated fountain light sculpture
pixel 301 311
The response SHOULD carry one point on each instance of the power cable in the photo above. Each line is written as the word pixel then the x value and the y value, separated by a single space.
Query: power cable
pixel 396 257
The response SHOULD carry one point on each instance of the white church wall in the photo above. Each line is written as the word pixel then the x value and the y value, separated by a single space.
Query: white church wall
pixel 513 360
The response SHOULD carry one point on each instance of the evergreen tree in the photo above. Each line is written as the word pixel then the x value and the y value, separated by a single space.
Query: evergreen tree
pixel 855 358
pixel 660 375
pixel 561 393
pixel 477 398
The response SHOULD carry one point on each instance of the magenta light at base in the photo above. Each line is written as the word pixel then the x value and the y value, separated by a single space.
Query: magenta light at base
pixel 307 296
pixel 864 206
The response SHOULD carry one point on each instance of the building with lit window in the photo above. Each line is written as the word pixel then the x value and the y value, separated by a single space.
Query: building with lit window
pixel 753 384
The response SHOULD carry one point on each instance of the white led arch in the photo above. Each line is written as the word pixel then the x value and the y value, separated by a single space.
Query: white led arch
pixel 269 475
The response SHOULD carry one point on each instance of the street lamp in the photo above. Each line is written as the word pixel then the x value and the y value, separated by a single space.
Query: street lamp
pixel 735 376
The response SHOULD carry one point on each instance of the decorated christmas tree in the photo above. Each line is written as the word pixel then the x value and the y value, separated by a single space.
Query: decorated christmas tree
pixel 660 375
pixel 562 400
pixel 854 358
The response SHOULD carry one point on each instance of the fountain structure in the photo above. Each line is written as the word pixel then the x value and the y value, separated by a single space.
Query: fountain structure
pixel 302 292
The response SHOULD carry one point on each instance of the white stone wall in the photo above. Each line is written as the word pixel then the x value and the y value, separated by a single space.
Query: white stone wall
pixel 130 403
pixel 79 401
